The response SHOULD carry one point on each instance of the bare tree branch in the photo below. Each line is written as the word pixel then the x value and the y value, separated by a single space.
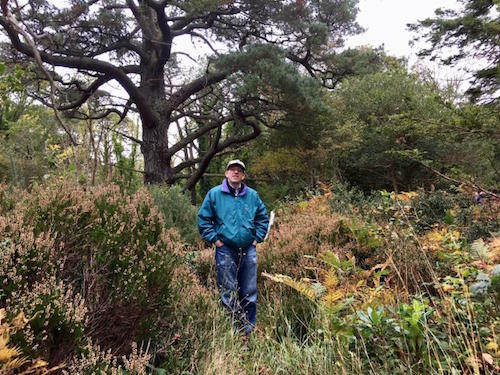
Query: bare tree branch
pixel 459 182
pixel 36 55
pixel 195 86
pixel 84 63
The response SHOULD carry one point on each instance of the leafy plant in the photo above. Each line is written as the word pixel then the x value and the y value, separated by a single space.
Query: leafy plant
pixel 177 211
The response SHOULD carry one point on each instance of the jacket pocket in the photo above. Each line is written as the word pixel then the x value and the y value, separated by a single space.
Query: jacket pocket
pixel 249 229
pixel 220 231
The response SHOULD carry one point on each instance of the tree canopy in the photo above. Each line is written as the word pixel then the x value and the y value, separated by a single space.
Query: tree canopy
pixel 265 59
pixel 473 32
pixel 389 129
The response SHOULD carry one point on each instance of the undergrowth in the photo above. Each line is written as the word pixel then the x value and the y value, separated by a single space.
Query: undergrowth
pixel 101 279
pixel 96 280
pixel 390 295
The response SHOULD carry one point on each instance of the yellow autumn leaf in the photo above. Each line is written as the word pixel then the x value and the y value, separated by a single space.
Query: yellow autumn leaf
pixel 405 197
pixel 3 314
pixel 323 209
pixel 331 280
pixel 360 283
pixel 303 205
pixel 4 339
pixel 494 253
pixel 495 244
pixel 447 287
pixel 38 363
pixel 473 362
pixel 299 286
pixel 13 364
pixel 492 345
pixel 8 353
pixel 4 328
pixel 332 297
pixel 54 369
pixel 435 236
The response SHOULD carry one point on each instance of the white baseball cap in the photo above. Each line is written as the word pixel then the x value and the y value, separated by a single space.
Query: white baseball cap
pixel 236 162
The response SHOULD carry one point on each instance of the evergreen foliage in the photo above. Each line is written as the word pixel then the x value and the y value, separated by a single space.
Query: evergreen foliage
pixel 383 130
pixel 471 32
pixel 248 83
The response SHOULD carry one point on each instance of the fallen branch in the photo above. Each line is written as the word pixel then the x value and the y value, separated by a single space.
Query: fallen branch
pixel 460 182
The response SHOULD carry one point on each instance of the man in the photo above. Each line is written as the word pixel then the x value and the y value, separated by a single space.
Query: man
pixel 234 219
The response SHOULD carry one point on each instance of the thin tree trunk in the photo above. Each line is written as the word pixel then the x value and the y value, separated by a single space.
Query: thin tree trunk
pixel 394 181
pixel 94 152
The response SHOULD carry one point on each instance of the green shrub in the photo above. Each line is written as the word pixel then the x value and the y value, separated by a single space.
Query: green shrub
pixel 346 199
pixel 435 207
pixel 177 211
pixel 428 209
pixel 99 264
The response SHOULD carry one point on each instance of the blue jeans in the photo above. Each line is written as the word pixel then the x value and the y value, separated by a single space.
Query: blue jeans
pixel 237 283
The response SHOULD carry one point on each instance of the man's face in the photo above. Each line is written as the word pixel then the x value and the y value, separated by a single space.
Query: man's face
pixel 235 174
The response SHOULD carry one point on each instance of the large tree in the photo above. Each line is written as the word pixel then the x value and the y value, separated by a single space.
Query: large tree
pixel 473 32
pixel 255 72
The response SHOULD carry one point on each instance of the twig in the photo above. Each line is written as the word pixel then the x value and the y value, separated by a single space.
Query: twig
pixel 39 62
pixel 460 182
pixel 129 137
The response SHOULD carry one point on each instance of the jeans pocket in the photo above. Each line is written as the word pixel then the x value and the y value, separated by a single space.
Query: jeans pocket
pixel 223 256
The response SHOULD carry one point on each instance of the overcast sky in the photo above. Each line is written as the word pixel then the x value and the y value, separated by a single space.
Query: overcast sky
pixel 385 23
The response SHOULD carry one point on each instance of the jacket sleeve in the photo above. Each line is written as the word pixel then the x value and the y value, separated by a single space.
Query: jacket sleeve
pixel 261 221
pixel 206 219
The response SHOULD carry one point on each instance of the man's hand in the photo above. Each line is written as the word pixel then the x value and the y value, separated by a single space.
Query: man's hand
pixel 219 243
pixel 254 243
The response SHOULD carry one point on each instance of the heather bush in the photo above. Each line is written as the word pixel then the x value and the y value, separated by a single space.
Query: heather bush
pixel 203 264
pixel 93 360
pixel 57 317
pixel 98 264
pixel 102 230
pixel 286 245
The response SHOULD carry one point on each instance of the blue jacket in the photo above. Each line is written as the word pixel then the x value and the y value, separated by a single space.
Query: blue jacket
pixel 236 221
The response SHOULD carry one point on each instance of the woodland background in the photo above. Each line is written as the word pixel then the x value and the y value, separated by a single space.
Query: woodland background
pixel 384 254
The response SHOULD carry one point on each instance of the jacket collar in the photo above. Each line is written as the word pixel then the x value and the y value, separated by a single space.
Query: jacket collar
pixel 225 188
